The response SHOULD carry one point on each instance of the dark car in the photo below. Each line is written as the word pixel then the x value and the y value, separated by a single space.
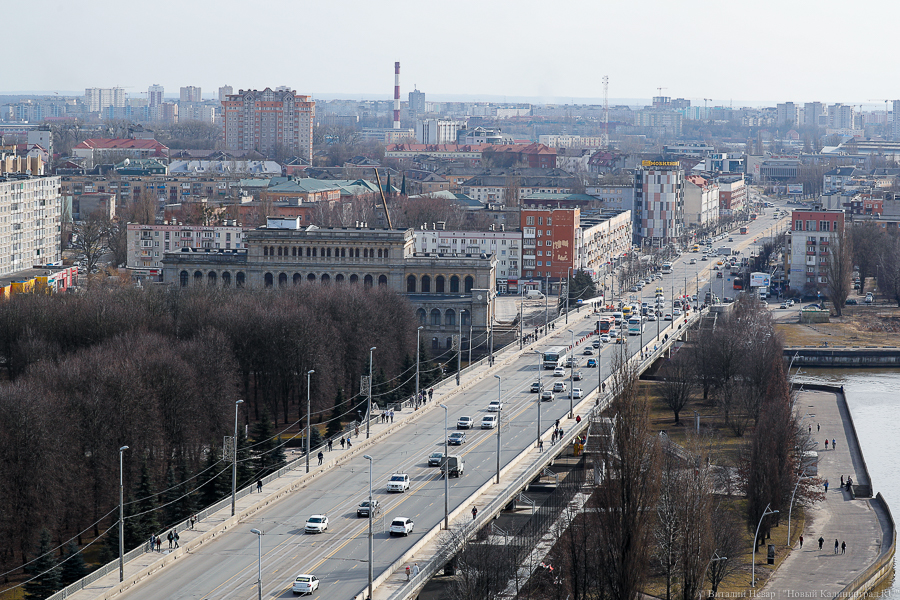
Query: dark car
pixel 591 363
pixel 363 509
pixel 457 438
pixel 851 301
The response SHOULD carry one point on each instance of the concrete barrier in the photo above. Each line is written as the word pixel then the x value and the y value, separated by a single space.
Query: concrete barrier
pixel 881 569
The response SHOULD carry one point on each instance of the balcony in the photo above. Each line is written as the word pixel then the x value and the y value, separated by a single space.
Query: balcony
pixel 810 242
pixel 811 253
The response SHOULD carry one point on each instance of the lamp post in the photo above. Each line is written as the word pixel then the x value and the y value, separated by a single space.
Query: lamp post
pixel 572 377
pixel 371 511
pixel 499 412
pixel 446 467
pixel 369 412
pixel 568 291
pixel 234 456
pixel 791 508
pixel 418 355
pixel 258 561
pixel 540 391
pixel 766 513
pixel 308 423
pixel 459 350
pixel 121 518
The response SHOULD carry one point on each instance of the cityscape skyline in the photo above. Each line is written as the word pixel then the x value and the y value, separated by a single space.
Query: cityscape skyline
pixel 720 56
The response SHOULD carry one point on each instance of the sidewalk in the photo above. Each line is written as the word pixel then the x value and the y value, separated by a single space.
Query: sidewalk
pixel 860 523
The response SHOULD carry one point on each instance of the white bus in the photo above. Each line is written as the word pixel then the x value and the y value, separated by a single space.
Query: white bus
pixel 555 356
pixel 666 268
pixel 636 325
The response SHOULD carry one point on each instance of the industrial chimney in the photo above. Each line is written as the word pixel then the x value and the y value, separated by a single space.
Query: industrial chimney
pixel 396 95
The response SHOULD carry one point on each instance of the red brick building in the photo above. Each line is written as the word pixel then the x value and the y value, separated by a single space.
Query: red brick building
pixel 549 242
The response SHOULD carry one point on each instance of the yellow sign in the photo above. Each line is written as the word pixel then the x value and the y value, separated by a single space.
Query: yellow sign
pixel 656 163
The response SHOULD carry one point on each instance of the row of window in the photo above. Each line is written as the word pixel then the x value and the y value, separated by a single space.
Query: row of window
pixel 448 318
pixel 314 252
pixel 423 284
pixel 212 279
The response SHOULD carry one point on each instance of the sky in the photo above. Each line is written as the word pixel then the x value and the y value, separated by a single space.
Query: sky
pixel 746 53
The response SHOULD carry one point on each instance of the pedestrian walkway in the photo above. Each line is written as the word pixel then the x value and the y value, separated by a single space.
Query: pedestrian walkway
pixel 860 523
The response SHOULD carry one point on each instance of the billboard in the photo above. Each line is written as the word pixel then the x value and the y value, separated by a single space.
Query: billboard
pixel 760 279
pixel 795 188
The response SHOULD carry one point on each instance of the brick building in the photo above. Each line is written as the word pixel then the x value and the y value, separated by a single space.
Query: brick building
pixel 267 121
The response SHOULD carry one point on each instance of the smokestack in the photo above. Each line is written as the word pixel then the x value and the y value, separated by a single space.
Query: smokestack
pixel 396 95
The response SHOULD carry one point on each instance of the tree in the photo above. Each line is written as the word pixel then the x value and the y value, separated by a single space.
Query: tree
pixel 678 382
pixel 117 239
pixel 73 566
pixel 728 548
pixel 43 574
pixel 88 239
pixel 840 268
pixel 581 287
pixel 145 521
pixel 268 453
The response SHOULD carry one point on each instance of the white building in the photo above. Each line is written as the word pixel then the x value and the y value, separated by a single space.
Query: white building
pixel 97 99
pixel 155 94
pixel 31 209
pixel 505 244
pixel 601 238
pixel 438 131
pixel 701 201
pixel 191 93
pixel 571 141
pixel 148 243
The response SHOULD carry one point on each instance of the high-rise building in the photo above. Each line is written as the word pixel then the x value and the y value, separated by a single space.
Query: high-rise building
pixel 438 131
pixel 810 246
pixel 267 120
pixel 812 113
pixel 841 116
pixel 896 121
pixel 787 113
pixel 98 99
pixel 155 95
pixel 224 92
pixel 416 104
pixel 191 93
pixel 33 209
pixel 659 202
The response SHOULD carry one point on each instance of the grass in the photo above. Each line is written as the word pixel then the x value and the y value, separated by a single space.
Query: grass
pixel 862 326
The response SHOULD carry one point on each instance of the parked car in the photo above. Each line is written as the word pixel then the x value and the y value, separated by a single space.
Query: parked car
pixel 457 438
pixel 851 301
pixel 401 526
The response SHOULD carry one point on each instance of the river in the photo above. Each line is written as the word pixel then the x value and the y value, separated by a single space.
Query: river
pixel 875 404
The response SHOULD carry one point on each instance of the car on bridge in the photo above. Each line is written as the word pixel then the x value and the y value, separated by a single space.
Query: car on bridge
pixel 559 386
pixel 495 406
pixel 591 363
pixel 489 422
pixel 535 387
pixel 305 584
pixel 577 376
pixel 559 372
pixel 363 509
pixel 316 524
pixel 588 352
pixel 435 458
pixel 547 396
pixel 457 438
pixel 399 482
pixel 464 423
pixel 576 393
pixel 401 526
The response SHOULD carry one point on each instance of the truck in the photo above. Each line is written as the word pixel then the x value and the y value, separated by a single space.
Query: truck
pixel 534 295
pixel 399 482
pixel 724 251
pixel 453 465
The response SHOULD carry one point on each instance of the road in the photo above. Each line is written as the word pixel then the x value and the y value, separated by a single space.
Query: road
pixel 227 566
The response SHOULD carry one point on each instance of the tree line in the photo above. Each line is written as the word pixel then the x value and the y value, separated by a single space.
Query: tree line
pixel 160 370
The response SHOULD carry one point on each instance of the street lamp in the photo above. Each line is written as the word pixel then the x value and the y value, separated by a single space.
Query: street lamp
pixel 791 508
pixel 371 510
pixel 572 377
pixel 258 561
pixel 418 355
pixel 308 424
pixel 369 412
pixel 499 420
pixel 540 391
pixel 446 467
pixel 766 513
pixel 121 518
pixel 568 291
pixel 234 456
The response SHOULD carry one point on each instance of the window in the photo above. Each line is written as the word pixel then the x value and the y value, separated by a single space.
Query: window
pixel 469 284
pixel 824 225
pixel 450 317
pixel 548 263
pixel 411 284
pixel 549 221
pixel 529 220
pixel 435 317
pixel 540 220
pixel 426 283
pixel 439 284
pixel 548 233
pixel 454 285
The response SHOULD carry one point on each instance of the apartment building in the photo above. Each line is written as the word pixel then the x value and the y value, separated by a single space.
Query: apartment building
pixel 147 243
pixel 659 202
pixel 732 195
pixel 30 211
pixel 603 237
pixel 267 120
pixel 701 201
pixel 506 245
pixel 549 238
pixel 809 247
pixel 99 99
pixel 438 131
pixel 191 93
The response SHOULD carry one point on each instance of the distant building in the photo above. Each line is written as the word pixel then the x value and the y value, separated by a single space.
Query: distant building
pixel 505 245
pixel 100 150
pixel 155 94
pixel 813 114
pixel 148 243
pixel 787 113
pixel 438 131
pixel 732 195
pixel 701 201
pixel 267 120
pixel 810 247
pixel 571 141
pixel 604 237
pixel 224 92
pixel 191 93
pixel 549 246
pixel 416 104
pixel 99 99
pixel 32 211
pixel 659 202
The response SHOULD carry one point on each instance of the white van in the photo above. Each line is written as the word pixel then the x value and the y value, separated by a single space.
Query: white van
pixel 534 295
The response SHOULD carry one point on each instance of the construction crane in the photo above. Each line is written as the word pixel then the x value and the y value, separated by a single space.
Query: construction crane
pixel 659 90
pixel 604 140
pixel 706 110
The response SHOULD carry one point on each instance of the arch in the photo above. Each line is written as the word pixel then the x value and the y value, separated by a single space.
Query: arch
pixel 211 279
pixel 439 284
pixel 450 317
pixel 426 283
pixel 469 284
pixel 339 278
pixel 325 279
pixel 184 276
pixel 379 253
pixel 435 317
pixel 354 279
pixel 294 253
pixel 410 284
pixel 368 281
pixel 454 284
pixel 420 316
pixel 382 280
pixel 298 279
pixel 464 319
pixel 449 343
pixel 311 277
pixel 282 279
pixel 343 250
pixel 434 343
pixel 269 280
pixel 226 279
pixel 265 250
pixel 198 277
pixel 240 279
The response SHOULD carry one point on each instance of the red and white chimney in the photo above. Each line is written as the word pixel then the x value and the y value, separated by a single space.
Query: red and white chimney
pixel 396 95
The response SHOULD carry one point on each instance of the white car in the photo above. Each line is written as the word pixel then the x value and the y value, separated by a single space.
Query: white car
pixel 399 482
pixel 495 406
pixel 547 396
pixel 464 423
pixel 588 352
pixel 559 386
pixel 489 422
pixel 576 393
pixel 604 338
pixel 305 584
pixel 401 526
pixel 559 372
pixel 316 524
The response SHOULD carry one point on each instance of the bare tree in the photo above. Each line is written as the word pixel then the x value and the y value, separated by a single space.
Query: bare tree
pixel 678 382
pixel 88 239
pixel 728 548
pixel 840 269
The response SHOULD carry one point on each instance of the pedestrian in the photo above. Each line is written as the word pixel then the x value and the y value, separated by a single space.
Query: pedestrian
pixel 557 423
pixel 159 543
pixel 801 541
pixel 842 481
pixel 818 427
pixel 349 444
pixel 152 542
pixel 392 416
pixel 578 419
pixel 330 444
pixel 849 483
pixel 407 572
pixel 843 547
pixel 836 546
pixel 833 444
pixel 826 486
pixel 343 442
pixel 810 430
pixel 474 513
pixel 415 569
pixel 193 518
pixel 430 393
pixel 357 431
pixel 176 539
pixel 321 458
pixel 170 537
pixel 826 443
pixel 259 485
pixel 540 445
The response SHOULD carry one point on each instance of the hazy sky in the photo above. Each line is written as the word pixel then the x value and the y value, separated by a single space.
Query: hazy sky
pixel 762 51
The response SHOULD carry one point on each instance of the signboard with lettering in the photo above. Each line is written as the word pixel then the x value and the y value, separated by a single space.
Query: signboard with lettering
pixel 658 163
pixel 760 279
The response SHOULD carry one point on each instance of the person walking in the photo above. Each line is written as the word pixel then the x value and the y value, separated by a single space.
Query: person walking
pixel 415 569
pixel 474 513
pixel 152 542
pixel 349 443
pixel 540 445
pixel 821 541
pixel 826 486
pixel 176 539
pixel 343 442
pixel 170 537
pixel 826 443
pixel 836 546
pixel 801 541
pixel 159 543
pixel 392 416
pixel 330 444
pixel 833 444
pixel 407 572
pixel 193 518
pixel 842 481
pixel 818 428
pixel 259 486
pixel 357 431
pixel 321 458
pixel 430 393
pixel 843 547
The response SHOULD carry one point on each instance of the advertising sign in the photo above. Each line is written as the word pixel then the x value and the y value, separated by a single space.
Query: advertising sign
pixel 795 188
pixel 760 280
